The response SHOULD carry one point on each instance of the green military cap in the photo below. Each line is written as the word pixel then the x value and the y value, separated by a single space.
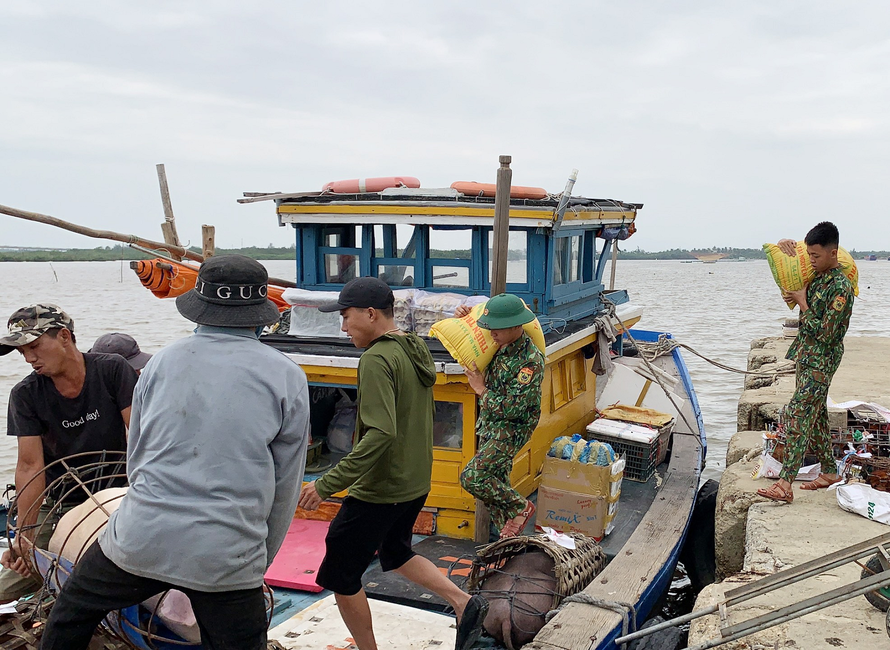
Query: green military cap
pixel 503 311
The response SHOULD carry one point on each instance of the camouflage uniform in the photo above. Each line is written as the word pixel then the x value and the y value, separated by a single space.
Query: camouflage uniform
pixel 817 349
pixel 508 414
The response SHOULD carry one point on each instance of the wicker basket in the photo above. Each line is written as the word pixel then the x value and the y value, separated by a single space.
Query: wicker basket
pixel 574 568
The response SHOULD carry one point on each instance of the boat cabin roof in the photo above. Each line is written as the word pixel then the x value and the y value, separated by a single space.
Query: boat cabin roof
pixel 440 240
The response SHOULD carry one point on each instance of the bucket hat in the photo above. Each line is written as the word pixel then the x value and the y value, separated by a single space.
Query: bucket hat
pixel 503 311
pixel 28 324
pixel 230 291
pixel 361 293
pixel 124 345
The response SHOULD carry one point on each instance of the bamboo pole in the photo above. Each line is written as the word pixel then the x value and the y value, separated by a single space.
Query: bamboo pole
pixel 100 234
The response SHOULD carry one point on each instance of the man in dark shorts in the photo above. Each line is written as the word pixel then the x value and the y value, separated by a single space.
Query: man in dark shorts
pixel 388 471
pixel 72 403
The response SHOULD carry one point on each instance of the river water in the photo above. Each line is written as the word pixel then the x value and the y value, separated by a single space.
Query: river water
pixel 718 309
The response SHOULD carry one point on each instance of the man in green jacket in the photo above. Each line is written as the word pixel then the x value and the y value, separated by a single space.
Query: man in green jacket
pixel 388 471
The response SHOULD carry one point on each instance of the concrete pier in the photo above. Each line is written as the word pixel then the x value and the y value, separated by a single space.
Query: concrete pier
pixel 757 537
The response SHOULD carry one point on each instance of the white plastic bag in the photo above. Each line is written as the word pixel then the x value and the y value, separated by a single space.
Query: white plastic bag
pixel 769 467
pixel 865 500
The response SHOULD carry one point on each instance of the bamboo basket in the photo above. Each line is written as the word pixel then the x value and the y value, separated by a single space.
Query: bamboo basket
pixel 574 568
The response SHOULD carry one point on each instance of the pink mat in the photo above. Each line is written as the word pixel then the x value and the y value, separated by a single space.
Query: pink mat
pixel 297 562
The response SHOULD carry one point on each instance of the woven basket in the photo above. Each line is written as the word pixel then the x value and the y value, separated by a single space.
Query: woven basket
pixel 574 568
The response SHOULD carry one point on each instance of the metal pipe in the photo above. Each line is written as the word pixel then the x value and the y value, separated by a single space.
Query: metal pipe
pixel 652 629
pixel 792 613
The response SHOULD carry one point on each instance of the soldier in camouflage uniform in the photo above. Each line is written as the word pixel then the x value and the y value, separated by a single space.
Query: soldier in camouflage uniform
pixel 825 308
pixel 508 414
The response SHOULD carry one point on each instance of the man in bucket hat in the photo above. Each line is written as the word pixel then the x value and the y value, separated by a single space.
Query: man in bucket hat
pixel 216 453
pixel 388 471
pixel 72 403
pixel 508 412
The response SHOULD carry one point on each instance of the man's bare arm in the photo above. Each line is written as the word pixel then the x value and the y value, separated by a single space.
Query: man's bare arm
pixel 28 499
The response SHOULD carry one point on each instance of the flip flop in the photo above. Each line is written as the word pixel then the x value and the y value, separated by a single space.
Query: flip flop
pixel 470 627
pixel 776 493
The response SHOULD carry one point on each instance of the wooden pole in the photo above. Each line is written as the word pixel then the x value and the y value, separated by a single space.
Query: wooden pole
pixel 208 240
pixel 168 208
pixel 501 235
pixel 499 245
pixel 614 264
pixel 100 234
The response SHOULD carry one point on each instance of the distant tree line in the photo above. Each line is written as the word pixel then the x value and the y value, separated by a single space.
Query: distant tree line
pixel 270 252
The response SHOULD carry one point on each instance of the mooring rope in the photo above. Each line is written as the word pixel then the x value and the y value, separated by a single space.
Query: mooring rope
pixel 665 346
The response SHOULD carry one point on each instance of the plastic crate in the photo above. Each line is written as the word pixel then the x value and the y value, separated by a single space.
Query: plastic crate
pixel 640 459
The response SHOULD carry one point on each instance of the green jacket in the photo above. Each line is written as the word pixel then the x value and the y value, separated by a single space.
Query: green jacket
pixel 392 460
pixel 820 337
pixel 511 403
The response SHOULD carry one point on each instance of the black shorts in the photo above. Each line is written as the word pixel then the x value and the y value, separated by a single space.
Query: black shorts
pixel 358 531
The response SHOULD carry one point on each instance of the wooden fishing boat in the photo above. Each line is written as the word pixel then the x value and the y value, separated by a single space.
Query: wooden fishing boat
pixel 437 241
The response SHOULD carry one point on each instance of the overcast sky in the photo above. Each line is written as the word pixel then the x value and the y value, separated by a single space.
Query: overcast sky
pixel 735 123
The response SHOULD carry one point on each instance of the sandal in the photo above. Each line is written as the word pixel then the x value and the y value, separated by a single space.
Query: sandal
pixel 776 492
pixel 822 481
pixel 514 527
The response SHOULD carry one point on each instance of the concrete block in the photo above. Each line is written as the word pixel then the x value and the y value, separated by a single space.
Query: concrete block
pixel 742 444
pixel 736 494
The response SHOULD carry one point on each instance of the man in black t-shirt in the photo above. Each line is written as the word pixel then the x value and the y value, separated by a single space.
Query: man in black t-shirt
pixel 71 404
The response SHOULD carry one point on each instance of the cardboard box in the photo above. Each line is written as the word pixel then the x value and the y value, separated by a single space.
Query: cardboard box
pixel 578 497
pixel 570 512
pixel 582 478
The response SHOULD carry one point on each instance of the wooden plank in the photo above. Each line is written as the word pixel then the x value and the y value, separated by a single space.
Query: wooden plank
pixel 645 553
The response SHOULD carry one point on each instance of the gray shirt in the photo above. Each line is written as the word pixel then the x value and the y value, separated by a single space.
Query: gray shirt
pixel 215 459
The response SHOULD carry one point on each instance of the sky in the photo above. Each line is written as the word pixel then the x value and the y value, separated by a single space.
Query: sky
pixel 734 123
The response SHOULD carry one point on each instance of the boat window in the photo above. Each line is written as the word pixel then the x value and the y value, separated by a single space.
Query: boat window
pixel 450 243
pixel 406 241
pixel 567 260
pixel 339 269
pixel 455 277
pixel 448 425
pixel 396 275
pixel 341 236
pixel 517 256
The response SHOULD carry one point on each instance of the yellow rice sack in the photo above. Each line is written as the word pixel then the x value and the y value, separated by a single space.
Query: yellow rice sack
pixel 468 343
pixel 793 273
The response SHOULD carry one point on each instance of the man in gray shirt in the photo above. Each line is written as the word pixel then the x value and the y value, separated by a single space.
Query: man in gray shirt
pixel 215 457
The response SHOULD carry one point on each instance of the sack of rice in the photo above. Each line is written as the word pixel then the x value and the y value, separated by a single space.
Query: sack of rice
pixel 468 343
pixel 793 273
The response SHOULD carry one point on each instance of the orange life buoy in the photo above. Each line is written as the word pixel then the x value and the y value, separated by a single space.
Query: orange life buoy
pixel 166 283
pixel 472 188
pixel 362 185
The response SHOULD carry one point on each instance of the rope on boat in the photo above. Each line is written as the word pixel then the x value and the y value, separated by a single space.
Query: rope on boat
pixel 627 611
pixel 665 346
pixel 652 369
